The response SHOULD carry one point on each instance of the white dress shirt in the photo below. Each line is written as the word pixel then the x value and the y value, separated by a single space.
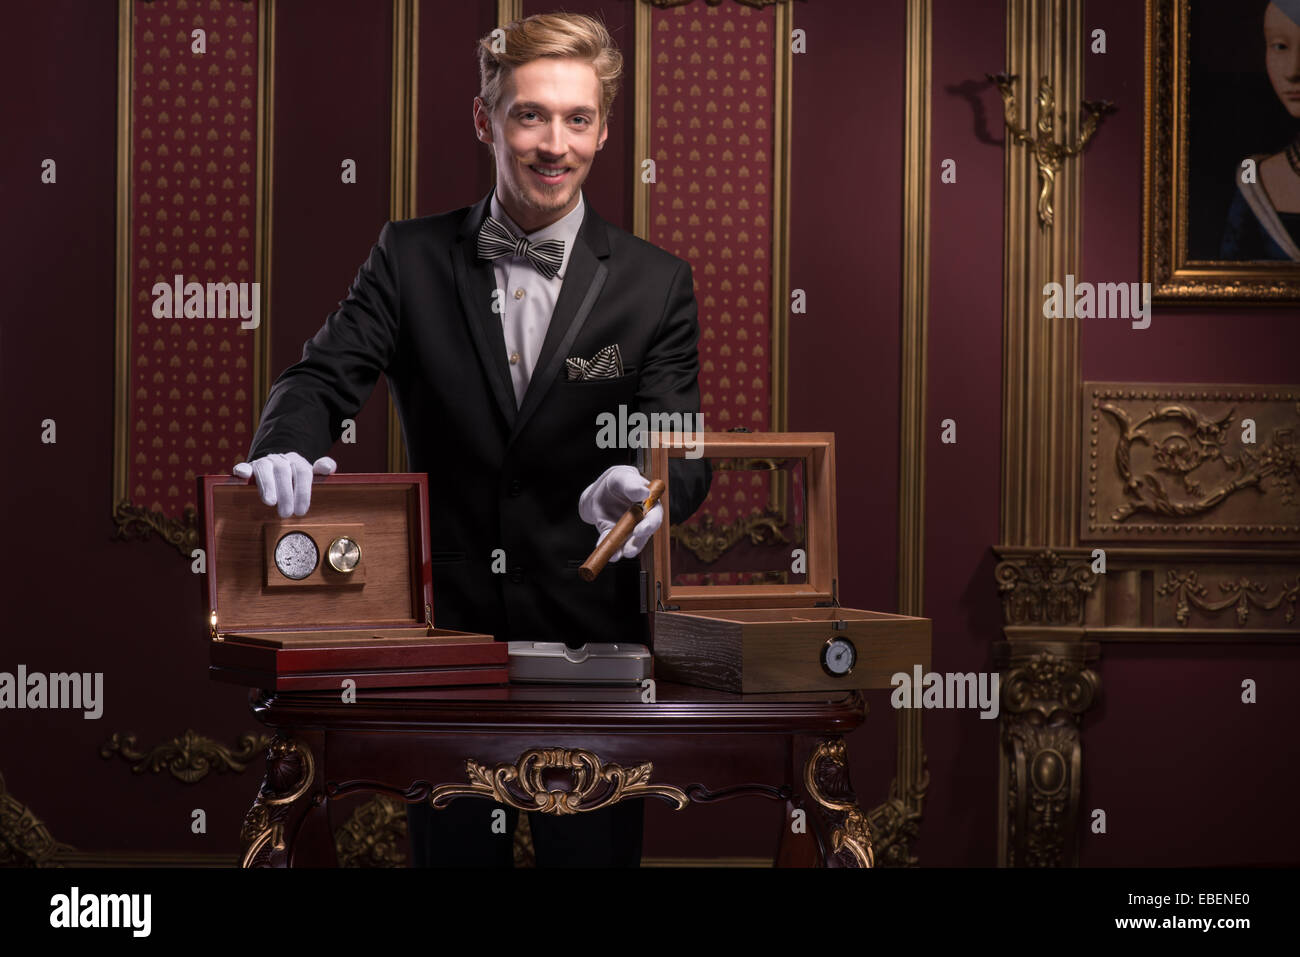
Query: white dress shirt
pixel 529 296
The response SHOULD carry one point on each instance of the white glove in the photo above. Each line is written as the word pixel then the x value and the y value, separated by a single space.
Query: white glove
pixel 605 500
pixel 284 479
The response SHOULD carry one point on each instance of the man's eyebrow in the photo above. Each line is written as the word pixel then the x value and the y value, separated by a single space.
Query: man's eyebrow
pixel 541 107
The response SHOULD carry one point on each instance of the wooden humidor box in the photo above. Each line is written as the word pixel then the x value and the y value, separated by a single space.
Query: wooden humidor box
pixel 372 624
pixel 787 633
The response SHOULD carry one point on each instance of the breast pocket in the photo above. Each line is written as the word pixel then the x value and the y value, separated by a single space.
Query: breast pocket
pixel 600 390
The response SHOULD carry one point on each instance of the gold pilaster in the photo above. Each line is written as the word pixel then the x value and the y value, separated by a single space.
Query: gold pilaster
pixel 404 167
pixel 1040 362
pixel 1041 752
pixel 262 241
pixel 895 822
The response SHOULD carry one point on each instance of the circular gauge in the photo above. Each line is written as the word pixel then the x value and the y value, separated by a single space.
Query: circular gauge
pixel 343 554
pixel 296 555
pixel 838 657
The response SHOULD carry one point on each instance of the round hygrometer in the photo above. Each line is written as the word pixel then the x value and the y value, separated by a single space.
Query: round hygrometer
pixel 838 657
pixel 296 555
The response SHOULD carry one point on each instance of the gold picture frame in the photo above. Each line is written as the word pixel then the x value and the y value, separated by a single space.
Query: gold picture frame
pixel 1175 274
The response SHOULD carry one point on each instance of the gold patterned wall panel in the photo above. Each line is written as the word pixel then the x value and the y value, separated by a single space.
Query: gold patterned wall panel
pixel 194 95
pixel 1181 463
pixel 712 107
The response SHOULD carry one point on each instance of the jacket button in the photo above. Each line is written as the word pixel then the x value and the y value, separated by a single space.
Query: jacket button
pixel 516 487
pixel 517 574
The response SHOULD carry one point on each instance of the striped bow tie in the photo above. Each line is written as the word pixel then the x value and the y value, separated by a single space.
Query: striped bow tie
pixel 495 241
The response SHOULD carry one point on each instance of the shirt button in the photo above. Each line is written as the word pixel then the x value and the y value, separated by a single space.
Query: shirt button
pixel 519 293
pixel 514 358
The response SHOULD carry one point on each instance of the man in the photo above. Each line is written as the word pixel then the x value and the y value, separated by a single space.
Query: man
pixel 479 334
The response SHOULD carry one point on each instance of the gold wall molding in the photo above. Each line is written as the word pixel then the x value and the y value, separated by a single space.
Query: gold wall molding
pixel 188 757
pixel 1167 462
pixel 524 784
pixel 404 160
pixel 265 204
pixel 1241 594
pixel 1169 593
pixel 1046 688
pixel 896 820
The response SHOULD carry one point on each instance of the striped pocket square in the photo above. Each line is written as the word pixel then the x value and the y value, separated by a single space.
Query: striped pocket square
pixel 607 363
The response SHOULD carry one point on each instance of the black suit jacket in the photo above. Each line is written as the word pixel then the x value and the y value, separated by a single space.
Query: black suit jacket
pixel 419 312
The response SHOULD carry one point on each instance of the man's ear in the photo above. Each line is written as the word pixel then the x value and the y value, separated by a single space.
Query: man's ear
pixel 604 135
pixel 482 121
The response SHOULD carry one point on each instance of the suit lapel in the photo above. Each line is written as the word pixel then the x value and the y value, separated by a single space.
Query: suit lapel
pixel 583 279
pixel 475 281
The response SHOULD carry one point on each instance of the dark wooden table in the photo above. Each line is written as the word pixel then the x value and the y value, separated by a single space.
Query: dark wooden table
pixel 558 750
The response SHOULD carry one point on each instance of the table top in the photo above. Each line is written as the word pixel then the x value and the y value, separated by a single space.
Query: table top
pixel 556 708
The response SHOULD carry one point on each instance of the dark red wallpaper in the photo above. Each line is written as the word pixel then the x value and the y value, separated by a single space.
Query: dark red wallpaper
pixel 1186 773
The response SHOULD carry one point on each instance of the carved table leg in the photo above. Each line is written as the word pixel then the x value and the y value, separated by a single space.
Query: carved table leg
pixel 823 789
pixel 272 824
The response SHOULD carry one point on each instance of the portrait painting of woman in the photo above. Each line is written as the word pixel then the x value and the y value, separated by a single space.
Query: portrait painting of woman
pixel 1264 217
pixel 1222 177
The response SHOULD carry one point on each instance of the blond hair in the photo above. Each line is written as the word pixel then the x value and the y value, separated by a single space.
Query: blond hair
pixel 554 35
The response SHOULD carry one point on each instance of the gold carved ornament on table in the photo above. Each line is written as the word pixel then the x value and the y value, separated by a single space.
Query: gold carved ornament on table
pixel 826 778
pixel 290 769
pixel 529 783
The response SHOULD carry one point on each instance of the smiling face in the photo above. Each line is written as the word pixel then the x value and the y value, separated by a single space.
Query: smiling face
pixel 544 134
pixel 1282 57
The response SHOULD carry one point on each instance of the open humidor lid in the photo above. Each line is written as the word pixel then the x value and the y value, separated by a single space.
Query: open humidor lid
pixel 764 537
pixel 380 524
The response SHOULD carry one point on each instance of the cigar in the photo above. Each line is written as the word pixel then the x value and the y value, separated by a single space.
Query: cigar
pixel 618 535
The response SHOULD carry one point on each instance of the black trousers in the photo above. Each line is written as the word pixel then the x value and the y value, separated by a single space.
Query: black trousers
pixel 470 833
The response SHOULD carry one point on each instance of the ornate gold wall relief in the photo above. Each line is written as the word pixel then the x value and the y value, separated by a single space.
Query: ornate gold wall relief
pixel 1043 587
pixel 189 757
pixel 1046 688
pixel 1188 596
pixel 1191 463
pixel 25 841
